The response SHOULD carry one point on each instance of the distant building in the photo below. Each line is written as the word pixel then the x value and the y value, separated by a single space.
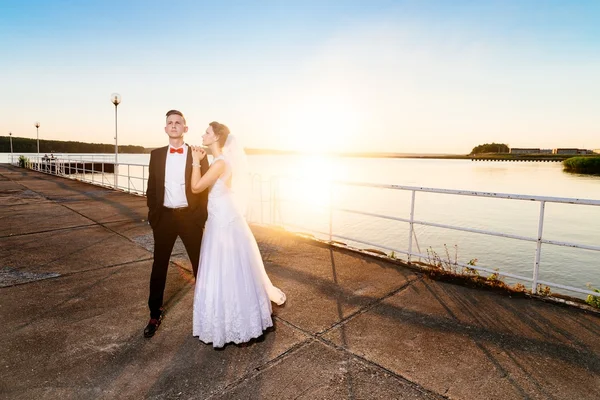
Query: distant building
pixel 565 150
pixel 570 151
pixel 523 150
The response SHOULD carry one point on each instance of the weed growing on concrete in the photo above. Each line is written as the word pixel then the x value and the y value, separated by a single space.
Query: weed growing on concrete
pixel 23 161
pixel 518 287
pixel 543 290
pixel 592 300
pixel 471 271
pixel 447 268
pixel 443 264
pixel 494 277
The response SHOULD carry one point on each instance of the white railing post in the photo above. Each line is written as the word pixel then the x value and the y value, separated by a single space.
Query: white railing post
pixel 256 186
pixel 330 211
pixel 411 225
pixel 116 174
pixel 275 206
pixel 261 197
pixel 538 250
pixel 273 201
pixel 128 179
pixel 262 200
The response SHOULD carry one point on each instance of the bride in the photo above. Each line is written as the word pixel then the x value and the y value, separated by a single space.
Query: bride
pixel 233 294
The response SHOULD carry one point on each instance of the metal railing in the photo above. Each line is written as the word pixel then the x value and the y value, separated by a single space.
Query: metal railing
pixel 93 171
pixel 278 199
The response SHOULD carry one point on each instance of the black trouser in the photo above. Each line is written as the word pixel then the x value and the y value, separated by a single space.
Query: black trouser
pixel 172 223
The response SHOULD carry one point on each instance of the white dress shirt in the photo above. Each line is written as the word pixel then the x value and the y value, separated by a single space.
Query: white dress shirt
pixel 175 178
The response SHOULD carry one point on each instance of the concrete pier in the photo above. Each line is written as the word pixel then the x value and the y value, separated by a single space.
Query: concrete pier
pixel 75 262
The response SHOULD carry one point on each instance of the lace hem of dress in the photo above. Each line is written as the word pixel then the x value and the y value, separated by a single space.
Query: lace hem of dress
pixel 233 337
pixel 234 327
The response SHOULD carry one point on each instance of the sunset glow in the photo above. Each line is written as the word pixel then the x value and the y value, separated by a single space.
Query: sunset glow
pixel 377 76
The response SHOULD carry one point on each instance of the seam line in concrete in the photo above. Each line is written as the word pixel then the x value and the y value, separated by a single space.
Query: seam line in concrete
pixel 369 306
pixel 374 364
pixel 84 271
pixel 318 337
pixel 77 212
pixel 70 209
pixel 102 224
pixel 48 230
pixel 263 367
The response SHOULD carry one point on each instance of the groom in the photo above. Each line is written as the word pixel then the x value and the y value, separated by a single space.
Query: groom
pixel 173 210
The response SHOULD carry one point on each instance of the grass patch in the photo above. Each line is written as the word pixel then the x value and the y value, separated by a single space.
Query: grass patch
pixel 23 161
pixel 446 268
pixel 583 165
pixel 593 301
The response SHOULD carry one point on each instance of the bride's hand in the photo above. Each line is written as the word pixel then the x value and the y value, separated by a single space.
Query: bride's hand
pixel 198 153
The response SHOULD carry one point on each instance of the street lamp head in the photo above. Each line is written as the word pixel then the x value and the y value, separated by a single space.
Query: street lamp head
pixel 115 98
pixel 9 133
pixel 37 124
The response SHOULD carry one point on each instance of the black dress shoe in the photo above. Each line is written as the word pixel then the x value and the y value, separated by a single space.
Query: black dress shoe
pixel 152 327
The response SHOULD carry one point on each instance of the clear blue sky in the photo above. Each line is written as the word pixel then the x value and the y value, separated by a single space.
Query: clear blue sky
pixel 403 76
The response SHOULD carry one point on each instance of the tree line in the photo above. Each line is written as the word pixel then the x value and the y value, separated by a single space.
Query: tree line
pixel 490 148
pixel 25 145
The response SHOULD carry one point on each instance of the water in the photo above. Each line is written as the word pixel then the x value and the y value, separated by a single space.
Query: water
pixel 306 204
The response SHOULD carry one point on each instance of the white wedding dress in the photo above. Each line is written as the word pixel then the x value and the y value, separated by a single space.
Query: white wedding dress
pixel 233 294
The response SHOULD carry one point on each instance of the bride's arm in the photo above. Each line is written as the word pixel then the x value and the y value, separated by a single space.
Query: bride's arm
pixel 200 183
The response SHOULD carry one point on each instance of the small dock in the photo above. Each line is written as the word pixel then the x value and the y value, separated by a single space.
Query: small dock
pixel 517 158
pixel 75 262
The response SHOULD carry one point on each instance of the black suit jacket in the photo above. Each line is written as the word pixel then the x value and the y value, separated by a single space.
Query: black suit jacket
pixel 155 194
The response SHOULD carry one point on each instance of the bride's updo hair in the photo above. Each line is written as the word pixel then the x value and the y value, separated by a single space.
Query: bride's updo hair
pixel 222 131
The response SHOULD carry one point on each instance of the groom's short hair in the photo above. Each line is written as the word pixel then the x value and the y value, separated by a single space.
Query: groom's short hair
pixel 176 112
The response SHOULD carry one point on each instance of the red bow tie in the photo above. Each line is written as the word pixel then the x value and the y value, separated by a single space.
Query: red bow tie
pixel 179 150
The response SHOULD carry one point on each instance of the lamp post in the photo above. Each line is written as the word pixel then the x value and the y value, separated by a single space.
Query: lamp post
pixel 11 149
pixel 115 98
pixel 37 129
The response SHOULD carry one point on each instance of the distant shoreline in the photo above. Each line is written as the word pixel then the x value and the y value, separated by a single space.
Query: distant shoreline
pixel 440 156
pixel 473 157
pixel 251 151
